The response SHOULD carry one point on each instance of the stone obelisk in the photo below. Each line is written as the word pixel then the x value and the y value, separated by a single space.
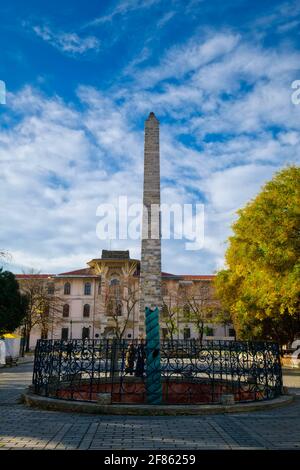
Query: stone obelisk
pixel 150 277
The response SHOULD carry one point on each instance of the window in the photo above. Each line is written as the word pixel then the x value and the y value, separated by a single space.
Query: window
pixel 110 308
pixel 85 333
pixel 164 290
pixel 164 332
pixel 99 288
pixel 186 310
pixel 209 331
pixel 119 310
pixel 64 334
pixel 186 333
pixel 51 288
pixel 67 288
pixel 164 311
pixel 87 288
pixel 231 332
pixel 44 334
pixel 86 310
pixel 66 310
pixel 115 287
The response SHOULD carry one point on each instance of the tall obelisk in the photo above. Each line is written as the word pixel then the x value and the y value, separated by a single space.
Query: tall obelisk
pixel 150 277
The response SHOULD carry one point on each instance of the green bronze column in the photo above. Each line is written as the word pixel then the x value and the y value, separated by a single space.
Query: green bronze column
pixel 153 378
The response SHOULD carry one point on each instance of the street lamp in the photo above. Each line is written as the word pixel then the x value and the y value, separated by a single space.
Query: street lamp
pixel 71 322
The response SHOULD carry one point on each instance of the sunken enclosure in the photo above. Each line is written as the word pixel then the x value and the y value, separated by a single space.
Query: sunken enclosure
pixel 192 372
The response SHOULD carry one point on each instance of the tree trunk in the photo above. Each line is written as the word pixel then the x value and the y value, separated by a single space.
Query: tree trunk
pixel 200 328
pixel 27 341
pixel 115 347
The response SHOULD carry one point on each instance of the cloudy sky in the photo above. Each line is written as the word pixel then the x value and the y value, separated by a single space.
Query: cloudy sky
pixel 81 78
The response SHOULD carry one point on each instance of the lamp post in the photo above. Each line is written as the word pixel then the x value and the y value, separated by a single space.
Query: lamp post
pixel 71 322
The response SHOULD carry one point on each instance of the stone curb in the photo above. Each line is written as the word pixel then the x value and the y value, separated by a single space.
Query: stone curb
pixel 25 361
pixel 54 404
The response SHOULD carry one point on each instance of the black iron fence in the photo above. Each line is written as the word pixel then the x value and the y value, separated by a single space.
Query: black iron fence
pixel 192 372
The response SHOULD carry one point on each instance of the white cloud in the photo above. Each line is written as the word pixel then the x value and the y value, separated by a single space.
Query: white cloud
pixel 166 18
pixel 230 189
pixel 226 126
pixel 123 8
pixel 53 178
pixel 69 43
pixel 180 60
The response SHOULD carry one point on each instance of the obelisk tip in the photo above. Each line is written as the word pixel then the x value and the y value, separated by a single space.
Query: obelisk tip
pixel 152 117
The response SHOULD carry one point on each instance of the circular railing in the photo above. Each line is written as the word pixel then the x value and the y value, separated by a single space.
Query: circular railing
pixel 192 372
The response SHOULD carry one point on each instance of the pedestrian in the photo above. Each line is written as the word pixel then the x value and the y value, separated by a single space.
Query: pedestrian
pixel 2 352
pixel 141 358
pixel 129 359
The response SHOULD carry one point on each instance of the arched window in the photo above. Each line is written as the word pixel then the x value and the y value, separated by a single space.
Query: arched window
pixel 164 311
pixel 51 288
pixel 66 310
pixel 115 287
pixel 186 310
pixel 67 288
pixel 87 288
pixel 110 307
pixel 86 310
pixel 164 290
pixel 119 310
pixel 85 333
pixel 44 334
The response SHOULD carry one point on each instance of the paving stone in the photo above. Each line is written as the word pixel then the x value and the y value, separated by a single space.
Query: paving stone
pixel 26 428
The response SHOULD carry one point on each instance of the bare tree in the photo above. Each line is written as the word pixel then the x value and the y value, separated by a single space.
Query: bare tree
pixel 198 304
pixel 120 301
pixel 44 306
pixel 171 312
pixel 5 257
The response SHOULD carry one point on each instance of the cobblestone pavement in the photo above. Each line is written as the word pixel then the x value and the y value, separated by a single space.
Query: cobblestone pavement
pixel 26 428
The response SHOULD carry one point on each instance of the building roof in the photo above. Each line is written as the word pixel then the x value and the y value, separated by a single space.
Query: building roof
pixel 188 277
pixel 77 272
pixel 34 276
pixel 169 275
pixel 85 272
pixel 198 277
pixel 88 272
pixel 115 254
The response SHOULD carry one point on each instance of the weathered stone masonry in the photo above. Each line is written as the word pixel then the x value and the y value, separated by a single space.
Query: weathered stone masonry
pixel 150 277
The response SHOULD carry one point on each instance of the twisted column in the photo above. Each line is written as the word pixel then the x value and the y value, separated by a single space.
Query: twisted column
pixel 153 373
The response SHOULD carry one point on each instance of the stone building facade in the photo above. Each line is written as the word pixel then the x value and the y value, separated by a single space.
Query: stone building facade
pixel 103 298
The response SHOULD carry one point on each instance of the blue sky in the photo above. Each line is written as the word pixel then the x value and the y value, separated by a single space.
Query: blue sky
pixel 81 78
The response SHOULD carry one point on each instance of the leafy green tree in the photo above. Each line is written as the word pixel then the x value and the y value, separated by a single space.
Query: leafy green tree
pixel 261 287
pixel 12 303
